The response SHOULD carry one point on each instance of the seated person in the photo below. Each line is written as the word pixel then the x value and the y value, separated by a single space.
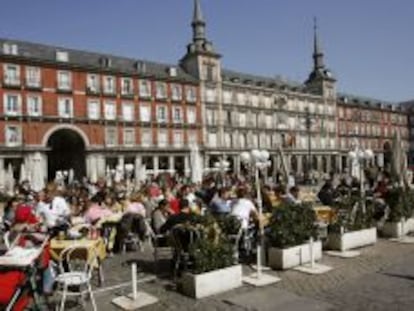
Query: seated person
pixel 180 218
pixel 220 204
pixel 97 209
pixel 244 208
pixel 160 215
pixel 135 205
pixel 292 197
pixel 326 194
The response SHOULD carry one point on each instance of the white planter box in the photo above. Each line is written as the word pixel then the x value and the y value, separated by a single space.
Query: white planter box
pixel 293 256
pixel 394 229
pixel 353 239
pixel 211 283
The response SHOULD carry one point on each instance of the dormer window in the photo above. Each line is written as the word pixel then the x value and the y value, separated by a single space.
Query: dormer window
pixel 62 56
pixel 106 62
pixel 10 48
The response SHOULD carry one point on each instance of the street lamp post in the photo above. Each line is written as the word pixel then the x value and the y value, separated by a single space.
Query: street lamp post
pixel 308 126
pixel 259 160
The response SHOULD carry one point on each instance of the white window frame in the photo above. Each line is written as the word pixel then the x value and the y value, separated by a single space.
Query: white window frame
pixel 65 107
pixel 109 87
pixel 190 94
pixel 33 76
pixel 13 112
pixel 161 90
pixel 109 131
pixel 64 84
pixel 212 139
pixel 144 88
pixel 11 79
pixel 31 101
pixel 128 111
pixel 124 89
pixel 13 138
pixel 176 92
pixel 128 137
pixel 146 138
pixel 180 118
pixel 162 133
pixel 192 138
pixel 178 138
pixel 93 82
pixel 227 97
pixel 191 115
pixel 210 95
pixel 159 117
pixel 144 113
pixel 110 113
pixel 94 109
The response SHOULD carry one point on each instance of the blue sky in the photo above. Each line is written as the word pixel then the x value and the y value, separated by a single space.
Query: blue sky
pixel 368 44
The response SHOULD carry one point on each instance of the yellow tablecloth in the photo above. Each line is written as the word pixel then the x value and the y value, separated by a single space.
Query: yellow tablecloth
pixel 324 213
pixel 57 246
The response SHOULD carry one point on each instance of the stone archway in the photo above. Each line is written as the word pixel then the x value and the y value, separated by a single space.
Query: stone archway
pixel 66 151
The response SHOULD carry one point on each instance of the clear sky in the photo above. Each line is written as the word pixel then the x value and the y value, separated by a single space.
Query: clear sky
pixel 368 44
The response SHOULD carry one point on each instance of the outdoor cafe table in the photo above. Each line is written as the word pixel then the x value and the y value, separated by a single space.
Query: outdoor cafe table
pixel 324 213
pixel 58 245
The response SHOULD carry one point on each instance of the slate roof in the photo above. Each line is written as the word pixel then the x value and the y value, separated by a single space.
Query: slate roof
pixel 367 102
pixel 93 61
pixel 249 79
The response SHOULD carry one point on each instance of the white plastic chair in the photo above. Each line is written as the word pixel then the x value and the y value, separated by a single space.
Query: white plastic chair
pixel 77 277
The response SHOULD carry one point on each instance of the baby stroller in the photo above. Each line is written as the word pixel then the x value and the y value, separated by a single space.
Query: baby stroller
pixel 20 273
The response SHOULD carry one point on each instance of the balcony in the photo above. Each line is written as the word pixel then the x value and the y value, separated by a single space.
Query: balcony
pixel 64 88
pixel 93 90
pixel 33 84
pixel 11 81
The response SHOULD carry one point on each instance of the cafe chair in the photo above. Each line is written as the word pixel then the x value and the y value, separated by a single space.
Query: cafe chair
pixel 76 264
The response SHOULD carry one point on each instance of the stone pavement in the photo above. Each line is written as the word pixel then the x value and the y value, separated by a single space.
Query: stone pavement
pixel 382 278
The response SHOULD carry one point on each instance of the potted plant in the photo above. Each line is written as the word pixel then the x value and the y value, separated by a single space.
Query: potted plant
pixel 354 226
pixel 213 269
pixel 400 219
pixel 288 235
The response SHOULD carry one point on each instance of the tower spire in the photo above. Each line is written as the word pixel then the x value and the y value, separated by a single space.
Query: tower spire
pixel 198 24
pixel 317 50
pixel 198 15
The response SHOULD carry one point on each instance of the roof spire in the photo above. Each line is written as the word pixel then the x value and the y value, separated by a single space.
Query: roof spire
pixel 317 50
pixel 198 15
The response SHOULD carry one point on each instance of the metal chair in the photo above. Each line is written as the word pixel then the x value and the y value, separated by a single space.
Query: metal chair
pixel 80 261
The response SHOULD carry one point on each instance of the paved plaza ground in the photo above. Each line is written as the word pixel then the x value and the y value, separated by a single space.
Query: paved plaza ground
pixel 382 278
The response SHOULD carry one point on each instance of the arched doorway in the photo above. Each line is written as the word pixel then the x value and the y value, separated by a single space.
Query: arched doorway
pixel 67 151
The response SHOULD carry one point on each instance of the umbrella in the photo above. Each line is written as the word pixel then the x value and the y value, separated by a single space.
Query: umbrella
pixel 38 182
pixel 23 173
pixel 196 164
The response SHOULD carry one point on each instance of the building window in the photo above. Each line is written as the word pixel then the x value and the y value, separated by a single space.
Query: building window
pixel 128 111
pixel 211 117
pixel 210 95
pixel 144 88
pixel 161 90
pixel 94 111
pixel 242 119
pixel 93 83
pixel 11 74
pixel 162 114
pixel 146 138
pixel 145 113
pixel 65 107
pixel 191 115
pixel 34 105
pixel 64 80
pixel 110 111
pixel 227 140
pixel 241 98
pixel 178 138
pixel 10 49
pixel 177 115
pixel 190 94
pixel 212 140
pixel 254 99
pixel 111 136
pixel 227 97
pixel 129 137
pixel 176 92
pixel 12 104
pixel 192 138
pixel 162 138
pixel 109 85
pixel 127 86
pixel 242 140
pixel 62 56
pixel 13 136
pixel 33 76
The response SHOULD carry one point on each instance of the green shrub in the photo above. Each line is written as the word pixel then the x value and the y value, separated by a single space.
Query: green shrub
pixel 400 202
pixel 292 225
